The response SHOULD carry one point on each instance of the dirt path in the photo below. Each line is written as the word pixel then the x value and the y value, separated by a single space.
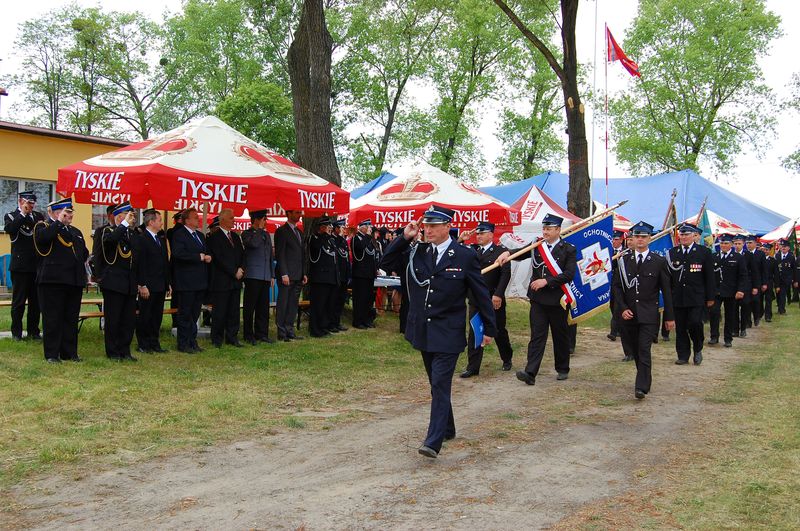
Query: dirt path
pixel 524 457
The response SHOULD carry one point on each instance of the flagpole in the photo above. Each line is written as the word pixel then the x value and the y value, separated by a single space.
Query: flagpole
pixel 669 208
pixel 572 228
pixel 594 113
pixel 653 238
pixel 605 62
pixel 702 209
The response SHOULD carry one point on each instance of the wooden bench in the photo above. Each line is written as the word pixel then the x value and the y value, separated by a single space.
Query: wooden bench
pixel 99 314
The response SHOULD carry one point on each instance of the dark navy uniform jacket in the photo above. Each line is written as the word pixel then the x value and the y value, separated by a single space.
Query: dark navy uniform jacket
pixel 785 273
pixel 646 281
pixel 731 274
pixel 62 254
pixel 322 267
pixel 692 276
pixel 117 251
pixel 20 230
pixel 437 314
pixel 342 258
pixel 565 256
pixel 365 256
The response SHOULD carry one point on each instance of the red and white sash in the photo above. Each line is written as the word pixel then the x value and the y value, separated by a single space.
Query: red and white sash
pixel 555 270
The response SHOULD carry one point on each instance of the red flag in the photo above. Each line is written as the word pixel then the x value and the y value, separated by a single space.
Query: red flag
pixel 615 53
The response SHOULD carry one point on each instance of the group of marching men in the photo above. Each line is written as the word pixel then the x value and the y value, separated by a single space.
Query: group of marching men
pixel 139 266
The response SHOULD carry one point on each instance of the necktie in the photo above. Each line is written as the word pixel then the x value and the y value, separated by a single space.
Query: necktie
pixel 230 238
pixel 158 242
pixel 197 238
pixel 685 250
pixel 639 259
pixel 435 255
pixel 297 233
pixel 480 251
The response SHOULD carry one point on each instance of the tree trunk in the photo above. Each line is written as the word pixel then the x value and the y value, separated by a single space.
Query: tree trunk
pixel 309 61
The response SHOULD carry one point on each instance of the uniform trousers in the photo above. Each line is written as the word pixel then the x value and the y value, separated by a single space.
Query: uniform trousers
pixel 689 336
pixel 148 322
pixel 286 311
pixel 475 355
pixel 322 308
pixel 256 309
pixel 363 301
pixel 188 314
pixel 339 298
pixel 119 323
pixel 60 320
pixel 743 313
pixel 613 325
pixel 24 289
pixel 730 318
pixel 757 307
pixel 225 315
pixel 440 367
pixel 782 297
pixel 767 299
pixel 639 338
pixel 544 318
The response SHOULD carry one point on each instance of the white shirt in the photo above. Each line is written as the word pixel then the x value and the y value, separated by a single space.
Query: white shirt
pixel 643 254
pixel 441 248
pixel 153 234
pixel 486 247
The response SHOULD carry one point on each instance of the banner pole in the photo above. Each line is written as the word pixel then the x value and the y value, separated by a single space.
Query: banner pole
pixel 606 109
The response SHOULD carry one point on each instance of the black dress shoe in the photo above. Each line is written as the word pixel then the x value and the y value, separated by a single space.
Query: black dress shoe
pixel 198 348
pixel 342 328
pixel 611 337
pixel 75 358
pixel 757 322
pixel 728 344
pixel 698 357
pixel 286 339
pixel 523 376
pixel 236 343
pixel 768 319
pixel 296 338
pixel 333 330
pixel 562 376
pixel 129 357
pixel 160 350
pixel 53 360
pixel 370 325
pixel 216 344
pixel 655 340
pixel 743 333
pixel 323 334
pixel 251 342
pixel 507 366
pixel 17 338
pixel 35 337
pixel 144 350
pixel 187 350
pixel 361 327
pixel 681 362
pixel 449 437
pixel 713 341
pixel 639 394
pixel 266 340
pixel 468 373
pixel 664 338
pixel 627 358
pixel 428 452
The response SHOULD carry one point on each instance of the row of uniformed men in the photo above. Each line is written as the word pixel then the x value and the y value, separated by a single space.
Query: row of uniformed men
pixel 137 268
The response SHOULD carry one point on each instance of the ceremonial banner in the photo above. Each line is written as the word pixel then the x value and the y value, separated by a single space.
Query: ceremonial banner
pixel 591 287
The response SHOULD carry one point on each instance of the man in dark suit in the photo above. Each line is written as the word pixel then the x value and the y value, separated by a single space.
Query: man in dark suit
pixel 785 275
pixel 324 278
pixel 554 265
pixel 743 312
pixel 768 294
pixel 731 281
pixel 190 261
pixel 441 273
pixel 96 261
pixel 760 264
pixel 641 276
pixel 153 281
pixel 118 283
pixel 365 268
pixel 258 279
pixel 60 277
pixel 177 219
pixel 617 239
pixel 227 271
pixel 19 227
pixel 496 280
pixel 693 289
pixel 343 267
pixel 290 255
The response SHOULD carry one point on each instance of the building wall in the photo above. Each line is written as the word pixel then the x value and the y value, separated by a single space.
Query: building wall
pixel 34 157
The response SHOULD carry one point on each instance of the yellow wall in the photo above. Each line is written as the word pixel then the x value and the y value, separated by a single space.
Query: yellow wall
pixel 37 157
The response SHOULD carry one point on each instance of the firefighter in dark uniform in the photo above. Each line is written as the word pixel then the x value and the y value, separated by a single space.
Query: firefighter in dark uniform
pixel 323 279
pixel 731 281
pixel 496 280
pixel 118 284
pixel 785 275
pixel 641 276
pixel 343 267
pixel 768 294
pixel 760 264
pixel 441 272
pixel 364 271
pixel 549 309
pixel 743 311
pixel 19 227
pixel 96 261
pixel 693 288
pixel 617 240
pixel 60 276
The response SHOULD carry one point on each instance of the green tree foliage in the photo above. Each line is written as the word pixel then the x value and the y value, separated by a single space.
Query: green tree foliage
pixel 701 96
pixel 85 61
pixel 261 111
pixel 792 162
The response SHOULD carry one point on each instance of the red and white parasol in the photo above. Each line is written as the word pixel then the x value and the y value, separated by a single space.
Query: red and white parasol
pixel 203 162
pixel 783 231
pixel 719 225
pixel 416 187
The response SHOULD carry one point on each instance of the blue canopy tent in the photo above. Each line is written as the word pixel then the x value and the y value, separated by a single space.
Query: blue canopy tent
pixel 366 188
pixel 648 197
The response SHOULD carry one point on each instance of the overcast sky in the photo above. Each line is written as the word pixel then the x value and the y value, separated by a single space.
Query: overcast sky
pixel 763 181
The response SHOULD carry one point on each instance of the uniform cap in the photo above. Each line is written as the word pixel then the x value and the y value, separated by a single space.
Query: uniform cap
pixel 122 208
pixel 214 222
pixel 618 234
pixel 61 204
pixel 642 228
pixel 784 241
pixel 551 220
pixel 365 222
pixel 726 238
pixel 766 245
pixel 28 196
pixel 258 214
pixel 438 215
pixel 688 228
pixel 324 221
pixel 750 238
pixel 340 223
pixel 485 226
pixel 738 237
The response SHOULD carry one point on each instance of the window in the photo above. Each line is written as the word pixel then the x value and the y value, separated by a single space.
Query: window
pixel 9 188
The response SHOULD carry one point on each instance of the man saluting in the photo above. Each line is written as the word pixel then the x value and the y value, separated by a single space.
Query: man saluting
pixel 440 272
